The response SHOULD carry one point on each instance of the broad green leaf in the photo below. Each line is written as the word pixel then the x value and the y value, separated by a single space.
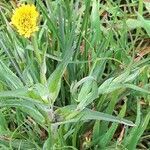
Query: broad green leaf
pixel 89 97
pixel 54 82
pixel 109 86
pixel 75 86
pixel 26 106
pixel 136 88
pixel 6 75
pixel 86 115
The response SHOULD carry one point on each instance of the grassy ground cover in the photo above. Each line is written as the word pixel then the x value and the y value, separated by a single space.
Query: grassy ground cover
pixel 80 81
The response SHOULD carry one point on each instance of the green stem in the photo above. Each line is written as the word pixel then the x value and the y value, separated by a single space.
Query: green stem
pixel 43 69
pixel 41 61
pixel 140 11
pixel 140 8
pixel 36 49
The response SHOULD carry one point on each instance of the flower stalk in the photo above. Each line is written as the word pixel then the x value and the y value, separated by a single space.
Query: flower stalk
pixel 41 60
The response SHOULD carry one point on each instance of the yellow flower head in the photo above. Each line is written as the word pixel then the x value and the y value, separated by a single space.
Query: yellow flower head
pixel 25 20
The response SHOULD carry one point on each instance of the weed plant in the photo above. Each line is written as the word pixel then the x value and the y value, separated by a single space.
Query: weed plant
pixel 81 81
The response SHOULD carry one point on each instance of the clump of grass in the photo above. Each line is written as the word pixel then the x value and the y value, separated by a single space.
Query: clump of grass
pixel 81 81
